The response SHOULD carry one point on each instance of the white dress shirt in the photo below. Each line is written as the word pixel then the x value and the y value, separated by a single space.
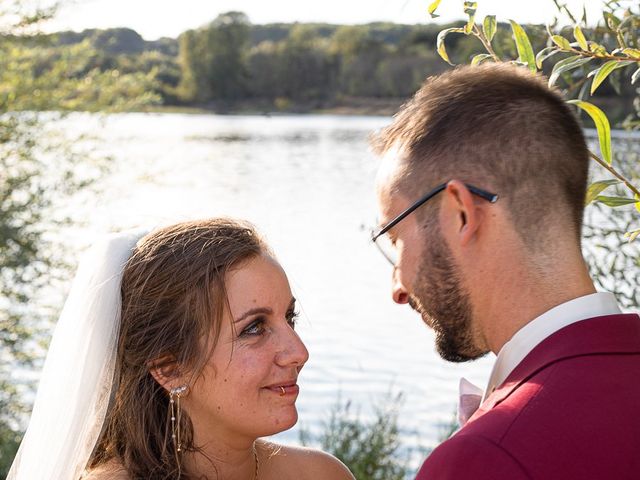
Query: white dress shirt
pixel 537 330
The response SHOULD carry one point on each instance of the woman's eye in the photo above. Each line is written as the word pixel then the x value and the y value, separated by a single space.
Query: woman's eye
pixel 254 328
pixel 292 318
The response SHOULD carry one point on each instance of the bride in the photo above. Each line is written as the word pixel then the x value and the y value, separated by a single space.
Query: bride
pixel 175 352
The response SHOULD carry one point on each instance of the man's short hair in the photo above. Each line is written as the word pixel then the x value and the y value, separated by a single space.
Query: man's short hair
pixel 501 128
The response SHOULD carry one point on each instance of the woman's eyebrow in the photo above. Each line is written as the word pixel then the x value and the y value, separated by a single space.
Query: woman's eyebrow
pixel 262 310
pixel 254 311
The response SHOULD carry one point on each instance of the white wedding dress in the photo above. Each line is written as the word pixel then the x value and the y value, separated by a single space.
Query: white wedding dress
pixel 77 379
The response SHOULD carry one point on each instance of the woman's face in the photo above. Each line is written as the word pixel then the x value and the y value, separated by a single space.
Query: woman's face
pixel 249 385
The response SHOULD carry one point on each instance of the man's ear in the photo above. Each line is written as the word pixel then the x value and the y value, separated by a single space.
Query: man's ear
pixel 165 371
pixel 468 213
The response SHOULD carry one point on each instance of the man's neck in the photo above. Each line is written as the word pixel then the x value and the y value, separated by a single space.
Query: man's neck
pixel 522 293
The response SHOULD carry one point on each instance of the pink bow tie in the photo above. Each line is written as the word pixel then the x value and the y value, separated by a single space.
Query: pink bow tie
pixel 469 400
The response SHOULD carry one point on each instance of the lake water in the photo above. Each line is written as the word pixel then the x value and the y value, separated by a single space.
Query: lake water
pixel 307 182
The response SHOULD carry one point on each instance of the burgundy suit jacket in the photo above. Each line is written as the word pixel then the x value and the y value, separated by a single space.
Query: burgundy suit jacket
pixel 569 410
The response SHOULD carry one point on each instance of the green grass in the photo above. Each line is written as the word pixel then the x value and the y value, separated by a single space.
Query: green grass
pixel 370 448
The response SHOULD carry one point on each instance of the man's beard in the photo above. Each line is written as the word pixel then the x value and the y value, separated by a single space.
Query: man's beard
pixel 445 306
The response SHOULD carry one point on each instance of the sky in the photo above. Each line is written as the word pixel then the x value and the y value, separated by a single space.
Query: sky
pixel 162 18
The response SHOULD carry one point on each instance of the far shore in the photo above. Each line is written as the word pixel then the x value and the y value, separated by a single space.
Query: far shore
pixel 351 106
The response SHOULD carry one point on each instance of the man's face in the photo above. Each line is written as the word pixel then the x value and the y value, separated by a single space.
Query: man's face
pixel 426 275
pixel 438 295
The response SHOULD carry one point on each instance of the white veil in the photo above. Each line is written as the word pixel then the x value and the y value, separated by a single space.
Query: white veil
pixel 76 382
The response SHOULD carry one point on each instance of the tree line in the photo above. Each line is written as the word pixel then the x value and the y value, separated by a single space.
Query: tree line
pixel 230 63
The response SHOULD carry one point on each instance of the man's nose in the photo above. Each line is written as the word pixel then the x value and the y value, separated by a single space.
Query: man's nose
pixel 399 292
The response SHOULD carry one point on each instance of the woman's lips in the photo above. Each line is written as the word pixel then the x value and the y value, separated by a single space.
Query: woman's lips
pixel 284 390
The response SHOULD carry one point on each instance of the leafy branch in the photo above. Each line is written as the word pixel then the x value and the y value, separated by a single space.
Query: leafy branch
pixel 579 53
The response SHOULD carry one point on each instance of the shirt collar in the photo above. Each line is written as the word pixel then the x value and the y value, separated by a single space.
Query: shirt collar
pixel 538 329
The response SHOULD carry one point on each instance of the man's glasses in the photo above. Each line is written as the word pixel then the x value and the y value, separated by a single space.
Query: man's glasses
pixel 383 242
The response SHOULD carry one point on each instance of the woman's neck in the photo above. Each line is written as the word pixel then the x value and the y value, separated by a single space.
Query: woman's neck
pixel 231 460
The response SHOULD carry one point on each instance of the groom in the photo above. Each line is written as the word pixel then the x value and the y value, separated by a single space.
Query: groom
pixel 480 192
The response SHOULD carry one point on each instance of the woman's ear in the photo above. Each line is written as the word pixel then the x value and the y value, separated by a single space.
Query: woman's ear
pixel 166 372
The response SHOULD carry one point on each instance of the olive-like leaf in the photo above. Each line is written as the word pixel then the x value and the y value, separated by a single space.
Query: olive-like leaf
pixel 597 188
pixel 478 59
pixel 635 76
pixel 544 54
pixel 562 42
pixel 611 21
pixel 615 201
pixel 632 52
pixel 579 36
pixel 565 65
pixel 489 26
pixel 470 9
pixel 525 51
pixel 602 126
pixel 605 70
pixel 555 22
pixel 433 6
pixel 597 48
pixel 440 42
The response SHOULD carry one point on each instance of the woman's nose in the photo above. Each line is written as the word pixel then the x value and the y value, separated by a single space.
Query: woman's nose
pixel 292 351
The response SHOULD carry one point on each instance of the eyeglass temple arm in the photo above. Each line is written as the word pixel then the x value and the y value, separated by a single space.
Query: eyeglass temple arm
pixel 491 197
pixel 406 212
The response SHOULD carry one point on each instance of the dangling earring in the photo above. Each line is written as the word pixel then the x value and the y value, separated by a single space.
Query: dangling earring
pixel 176 414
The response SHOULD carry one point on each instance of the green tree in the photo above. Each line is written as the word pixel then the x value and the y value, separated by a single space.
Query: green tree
pixel 213 59
pixel 38 170
pixel 400 75
pixel 264 71
pixel 305 68
pixel 42 76
pixel 359 54
pixel 228 43
pixel 192 82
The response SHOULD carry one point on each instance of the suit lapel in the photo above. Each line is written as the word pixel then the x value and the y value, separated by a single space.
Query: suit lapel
pixel 599 335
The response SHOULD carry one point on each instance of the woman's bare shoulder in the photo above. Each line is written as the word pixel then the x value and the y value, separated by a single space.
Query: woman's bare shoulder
pixel 109 471
pixel 315 464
